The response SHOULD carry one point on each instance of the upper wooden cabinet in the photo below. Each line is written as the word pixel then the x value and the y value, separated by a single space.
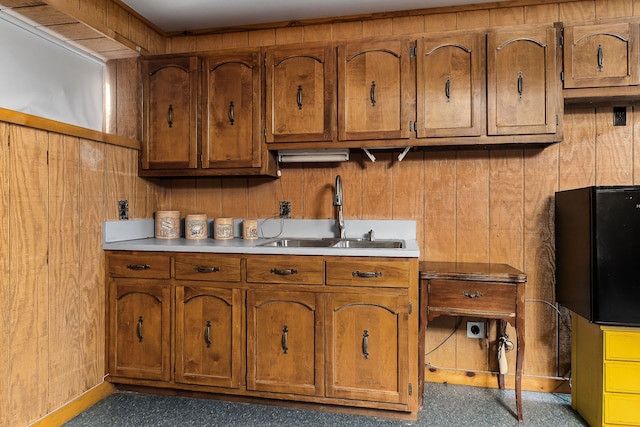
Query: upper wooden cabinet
pixel 451 81
pixel 601 55
pixel 300 96
pixel 170 89
pixel 375 90
pixel 522 81
pixel 221 135
pixel 232 88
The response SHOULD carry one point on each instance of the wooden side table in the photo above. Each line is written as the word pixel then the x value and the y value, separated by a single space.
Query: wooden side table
pixel 491 291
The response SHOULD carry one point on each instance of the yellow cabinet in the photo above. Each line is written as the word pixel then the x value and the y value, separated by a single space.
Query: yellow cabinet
pixel 606 373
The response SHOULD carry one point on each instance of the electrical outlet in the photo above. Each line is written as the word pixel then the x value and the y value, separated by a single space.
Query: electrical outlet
pixel 619 116
pixel 123 209
pixel 285 209
pixel 475 330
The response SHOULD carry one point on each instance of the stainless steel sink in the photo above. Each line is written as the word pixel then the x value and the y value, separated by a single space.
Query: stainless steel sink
pixel 299 243
pixel 336 243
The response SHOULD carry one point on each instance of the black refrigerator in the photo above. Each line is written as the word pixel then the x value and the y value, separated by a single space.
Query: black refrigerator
pixel 598 253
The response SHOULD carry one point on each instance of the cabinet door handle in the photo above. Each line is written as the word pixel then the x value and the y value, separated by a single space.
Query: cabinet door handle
pixel 520 84
pixel 230 114
pixel 365 344
pixel 207 334
pixel 170 116
pixel 299 97
pixel 287 272
pixel 600 58
pixel 367 274
pixel 201 269
pixel 285 332
pixel 447 88
pixel 372 93
pixel 138 267
pixel 477 294
pixel 139 329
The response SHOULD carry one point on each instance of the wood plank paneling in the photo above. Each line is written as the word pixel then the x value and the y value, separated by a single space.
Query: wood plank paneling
pixel 28 275
pixel 578 150
pixel 5 313
pixel 614 150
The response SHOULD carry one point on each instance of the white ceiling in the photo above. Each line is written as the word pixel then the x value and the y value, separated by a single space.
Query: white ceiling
pixel 185 15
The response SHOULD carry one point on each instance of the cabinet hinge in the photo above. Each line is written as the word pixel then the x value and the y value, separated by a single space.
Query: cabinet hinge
pixel 562 76
pixel 265 132
pixel 410 307
pixel 410 389
pixel 560 41
pixel 557 120
pixel 413 51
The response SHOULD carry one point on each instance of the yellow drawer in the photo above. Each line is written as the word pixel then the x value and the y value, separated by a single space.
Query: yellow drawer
pixel 139 265
pixel 393 274
pixel 622 345
pixel 285 269
pixel 209 267
pixel 622 377
pixel 622 409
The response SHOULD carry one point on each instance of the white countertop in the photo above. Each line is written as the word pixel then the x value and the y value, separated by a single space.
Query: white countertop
pixel 138 235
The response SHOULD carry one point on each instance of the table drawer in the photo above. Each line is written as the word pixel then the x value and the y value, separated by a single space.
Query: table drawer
pixel 287 270
pixel 481 297
pixel 622 409
pixel 139 265
pixel 393 274
pixel 209 267
pixel 622 345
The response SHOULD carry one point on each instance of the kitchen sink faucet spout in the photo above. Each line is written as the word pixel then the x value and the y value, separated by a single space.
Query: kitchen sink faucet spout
pixel 337 201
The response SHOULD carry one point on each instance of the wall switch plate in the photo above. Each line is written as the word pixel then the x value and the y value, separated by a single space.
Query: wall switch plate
pixel 123 209
pixel 475 330
pixel 285 209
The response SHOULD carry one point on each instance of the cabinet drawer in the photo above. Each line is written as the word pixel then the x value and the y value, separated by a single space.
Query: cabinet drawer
pixel 482 297
pixel 392 274
pixel 209 267
pixel 622 377
pixel 292 270
pixel 622 345
pixel 622 409
pixel 143 266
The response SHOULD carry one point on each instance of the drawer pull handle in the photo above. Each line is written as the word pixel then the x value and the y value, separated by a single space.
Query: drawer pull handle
pixel 299 97
pixel 365 344
pixel 285 347
pixel 476 295
pixel 207 334
pixel 200 269
pixel 367 274
pixel 287 272
pixel 138 267
pixel 520 84
pixel 447 88
pixel 139 329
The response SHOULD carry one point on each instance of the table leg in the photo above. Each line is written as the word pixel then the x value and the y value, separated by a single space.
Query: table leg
pixel 501 330
pixel 519 363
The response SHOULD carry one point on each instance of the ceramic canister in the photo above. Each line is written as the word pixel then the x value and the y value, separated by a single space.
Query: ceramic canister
pixel 196 227
pixel 250 229
pixel 167 224
pixel 223 228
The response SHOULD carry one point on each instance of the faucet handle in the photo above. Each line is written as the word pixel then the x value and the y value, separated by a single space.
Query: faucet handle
pixel 372 236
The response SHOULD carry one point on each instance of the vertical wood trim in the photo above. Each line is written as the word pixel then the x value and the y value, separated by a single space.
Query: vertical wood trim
pixel 5 291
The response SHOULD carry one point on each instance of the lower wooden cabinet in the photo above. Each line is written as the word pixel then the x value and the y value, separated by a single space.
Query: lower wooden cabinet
pixel 139 329
pixel 306 328
pixel 208 336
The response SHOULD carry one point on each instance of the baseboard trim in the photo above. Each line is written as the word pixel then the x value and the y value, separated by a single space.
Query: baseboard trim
pixel 75 406
pixel 490 380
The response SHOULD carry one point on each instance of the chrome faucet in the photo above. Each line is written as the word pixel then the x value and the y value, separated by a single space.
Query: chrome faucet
pixel 337 201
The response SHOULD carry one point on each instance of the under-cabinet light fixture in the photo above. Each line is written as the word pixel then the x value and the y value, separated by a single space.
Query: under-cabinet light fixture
pixel 315 155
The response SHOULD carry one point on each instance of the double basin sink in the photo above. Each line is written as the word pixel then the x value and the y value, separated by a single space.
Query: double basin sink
pixel 336 243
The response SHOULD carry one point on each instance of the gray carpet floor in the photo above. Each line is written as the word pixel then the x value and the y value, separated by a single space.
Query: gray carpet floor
pixel 444 406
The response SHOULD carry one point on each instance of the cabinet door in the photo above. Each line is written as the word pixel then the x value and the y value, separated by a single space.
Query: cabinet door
pixel 139 327
pixel 208 336
pixel 367 347
pixel 300 94
pixel 601 55
pixel 376 91
pixel 231 111
pixel 284 342
pixel 170 113
pixel 522 85
pixel 451 86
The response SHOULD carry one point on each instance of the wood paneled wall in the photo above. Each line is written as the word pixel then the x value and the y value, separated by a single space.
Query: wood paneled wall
pixel 56 191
